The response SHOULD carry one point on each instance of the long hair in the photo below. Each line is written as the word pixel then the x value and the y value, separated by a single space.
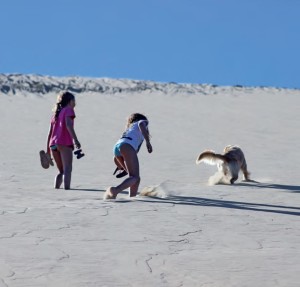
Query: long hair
pixel 135 118
pixel 62 101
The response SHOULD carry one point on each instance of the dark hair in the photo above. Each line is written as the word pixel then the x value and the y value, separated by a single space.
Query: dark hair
pixel 135 118
pixel 62 101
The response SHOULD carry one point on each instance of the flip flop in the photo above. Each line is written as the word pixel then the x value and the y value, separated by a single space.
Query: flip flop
pixel 115 170
pixel 49 159
pixel 121 174
pixel 44 159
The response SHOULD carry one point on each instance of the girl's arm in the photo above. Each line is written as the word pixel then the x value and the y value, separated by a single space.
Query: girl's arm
pixel 71 130
pixel 48 139
pixel 145 132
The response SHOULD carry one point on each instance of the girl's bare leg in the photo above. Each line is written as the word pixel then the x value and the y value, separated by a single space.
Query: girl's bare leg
pixel 132 166
pixel 67 160
pixel 119 161
pixel 59 177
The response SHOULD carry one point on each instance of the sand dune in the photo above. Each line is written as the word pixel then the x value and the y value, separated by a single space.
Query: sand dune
pixel 189 233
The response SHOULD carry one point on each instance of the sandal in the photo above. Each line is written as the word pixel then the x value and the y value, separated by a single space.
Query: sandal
pixel 121 173
pixel 49 159
pixel 115 170
pixel 46 160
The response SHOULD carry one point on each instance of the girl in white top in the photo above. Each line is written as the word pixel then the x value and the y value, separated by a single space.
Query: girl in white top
pixel 125 154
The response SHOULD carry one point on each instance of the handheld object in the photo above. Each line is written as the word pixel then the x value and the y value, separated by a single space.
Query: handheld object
pixel 79 153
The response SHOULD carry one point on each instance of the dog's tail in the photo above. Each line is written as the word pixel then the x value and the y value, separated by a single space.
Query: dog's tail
pixel 210 157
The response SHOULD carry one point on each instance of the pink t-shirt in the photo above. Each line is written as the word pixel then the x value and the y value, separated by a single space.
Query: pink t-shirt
pixel 60 134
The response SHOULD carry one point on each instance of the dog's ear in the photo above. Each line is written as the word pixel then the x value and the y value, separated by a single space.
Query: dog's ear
pixel 227 148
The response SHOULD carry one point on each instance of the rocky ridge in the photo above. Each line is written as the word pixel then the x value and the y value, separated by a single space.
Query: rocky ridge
pixel 11 84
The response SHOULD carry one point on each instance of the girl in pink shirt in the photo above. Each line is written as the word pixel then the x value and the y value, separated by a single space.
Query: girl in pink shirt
pixel 61 137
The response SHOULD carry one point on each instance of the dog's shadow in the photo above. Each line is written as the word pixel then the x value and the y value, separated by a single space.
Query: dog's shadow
pixel 200 201
pixel 260 207
pixel 285 187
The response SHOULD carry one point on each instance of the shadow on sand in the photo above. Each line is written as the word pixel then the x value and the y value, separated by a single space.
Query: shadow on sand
pixel 290 188
pixel 95 190
pixel 88 189
pixel 199 201
pixel 270 208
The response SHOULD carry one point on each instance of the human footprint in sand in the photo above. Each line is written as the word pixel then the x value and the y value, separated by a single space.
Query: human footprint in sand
pixel 61 136
pixel 125 154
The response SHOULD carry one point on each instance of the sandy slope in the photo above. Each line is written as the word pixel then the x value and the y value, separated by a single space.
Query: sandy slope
pixel 198 235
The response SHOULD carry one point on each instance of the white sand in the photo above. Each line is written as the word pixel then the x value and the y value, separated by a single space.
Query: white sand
pixel 193 234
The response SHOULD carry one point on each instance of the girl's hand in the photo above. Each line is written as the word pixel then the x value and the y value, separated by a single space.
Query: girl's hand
pixel 77 144
pixel 149 147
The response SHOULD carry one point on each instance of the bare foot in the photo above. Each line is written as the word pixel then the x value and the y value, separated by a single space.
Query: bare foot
pixel 110 193
pixel 58 181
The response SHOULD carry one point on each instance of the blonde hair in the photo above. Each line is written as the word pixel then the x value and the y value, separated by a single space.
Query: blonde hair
pixel 133 118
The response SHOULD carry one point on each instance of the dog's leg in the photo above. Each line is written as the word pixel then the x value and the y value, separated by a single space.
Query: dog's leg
pixel 246 174
pixel 234 171
pixel 233 179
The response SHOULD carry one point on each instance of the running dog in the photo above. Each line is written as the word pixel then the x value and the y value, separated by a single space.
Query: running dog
pixel 229 164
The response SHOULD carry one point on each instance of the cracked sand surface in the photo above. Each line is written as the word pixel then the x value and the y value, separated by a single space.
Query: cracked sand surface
pixel 195 235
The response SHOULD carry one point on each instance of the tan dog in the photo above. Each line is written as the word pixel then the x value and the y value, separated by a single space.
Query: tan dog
pixel 229 164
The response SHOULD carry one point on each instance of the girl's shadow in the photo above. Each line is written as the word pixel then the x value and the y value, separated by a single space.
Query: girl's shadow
pixel 95 190
pixel 88 189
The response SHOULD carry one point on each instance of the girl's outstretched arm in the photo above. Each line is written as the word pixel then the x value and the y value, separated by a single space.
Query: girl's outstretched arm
pixel 145 132
pixel 72 132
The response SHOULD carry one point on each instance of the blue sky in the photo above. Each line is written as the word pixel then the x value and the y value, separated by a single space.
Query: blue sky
pixel 223 42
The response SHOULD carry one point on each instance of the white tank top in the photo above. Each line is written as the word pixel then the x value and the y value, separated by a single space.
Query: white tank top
pixel 133 135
